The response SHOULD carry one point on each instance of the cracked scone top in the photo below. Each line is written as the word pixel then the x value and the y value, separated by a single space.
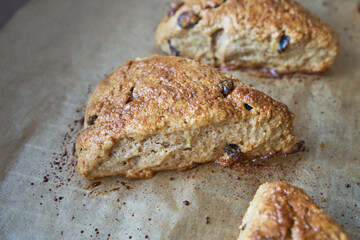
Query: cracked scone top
pixel 162 113
pixel 275 34
pixel 283 212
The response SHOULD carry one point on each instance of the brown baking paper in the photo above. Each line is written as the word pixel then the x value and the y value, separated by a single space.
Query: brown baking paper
pixel 52 55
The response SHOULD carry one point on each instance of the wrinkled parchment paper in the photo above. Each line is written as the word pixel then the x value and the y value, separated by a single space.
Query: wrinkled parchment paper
pixel 52 55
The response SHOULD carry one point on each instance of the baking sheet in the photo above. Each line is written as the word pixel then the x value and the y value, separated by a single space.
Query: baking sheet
pixel 52 55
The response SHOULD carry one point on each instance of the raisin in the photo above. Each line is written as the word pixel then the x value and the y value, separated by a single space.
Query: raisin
pixel 284 42
pixel 226 87
pixel 233 150
pixel 173 50
pixel 92 120
pixel 174 6
pixel 188 19
pixel 247 106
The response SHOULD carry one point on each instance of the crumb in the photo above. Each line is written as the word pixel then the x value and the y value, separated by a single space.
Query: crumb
pixel 322 145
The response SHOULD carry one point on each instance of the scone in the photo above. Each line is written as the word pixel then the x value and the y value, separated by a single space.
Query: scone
pixel 283 212
pixel 279 35
pixel 162 113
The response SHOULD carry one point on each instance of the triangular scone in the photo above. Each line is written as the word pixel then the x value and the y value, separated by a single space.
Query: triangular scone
pixel 279 35
pixel 162 113
pixel 283 212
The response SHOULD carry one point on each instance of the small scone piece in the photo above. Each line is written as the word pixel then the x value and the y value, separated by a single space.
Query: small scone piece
pixel 280 211
pixel 162 113
pixel 279 35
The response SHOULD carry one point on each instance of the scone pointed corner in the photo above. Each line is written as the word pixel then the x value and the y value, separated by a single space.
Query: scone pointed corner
pixel 83 172
pixel 280 35
pixel 282 211
pixel 87 160
pixel 163 113
pixel 81 166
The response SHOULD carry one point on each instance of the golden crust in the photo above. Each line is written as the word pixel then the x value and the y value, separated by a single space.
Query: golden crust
pixel 230 32
pixel 281 211
pixel 167 95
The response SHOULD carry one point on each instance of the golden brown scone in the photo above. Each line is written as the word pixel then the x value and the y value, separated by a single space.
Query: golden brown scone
pixel 283 212
pixel 163 113
pixel 275 34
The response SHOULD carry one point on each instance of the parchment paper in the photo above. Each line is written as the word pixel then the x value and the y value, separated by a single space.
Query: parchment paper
pixel 52 55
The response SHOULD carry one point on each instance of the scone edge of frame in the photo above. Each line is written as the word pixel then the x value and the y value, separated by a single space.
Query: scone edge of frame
pixel 164 113
pixel 280 210
pixel 280 35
